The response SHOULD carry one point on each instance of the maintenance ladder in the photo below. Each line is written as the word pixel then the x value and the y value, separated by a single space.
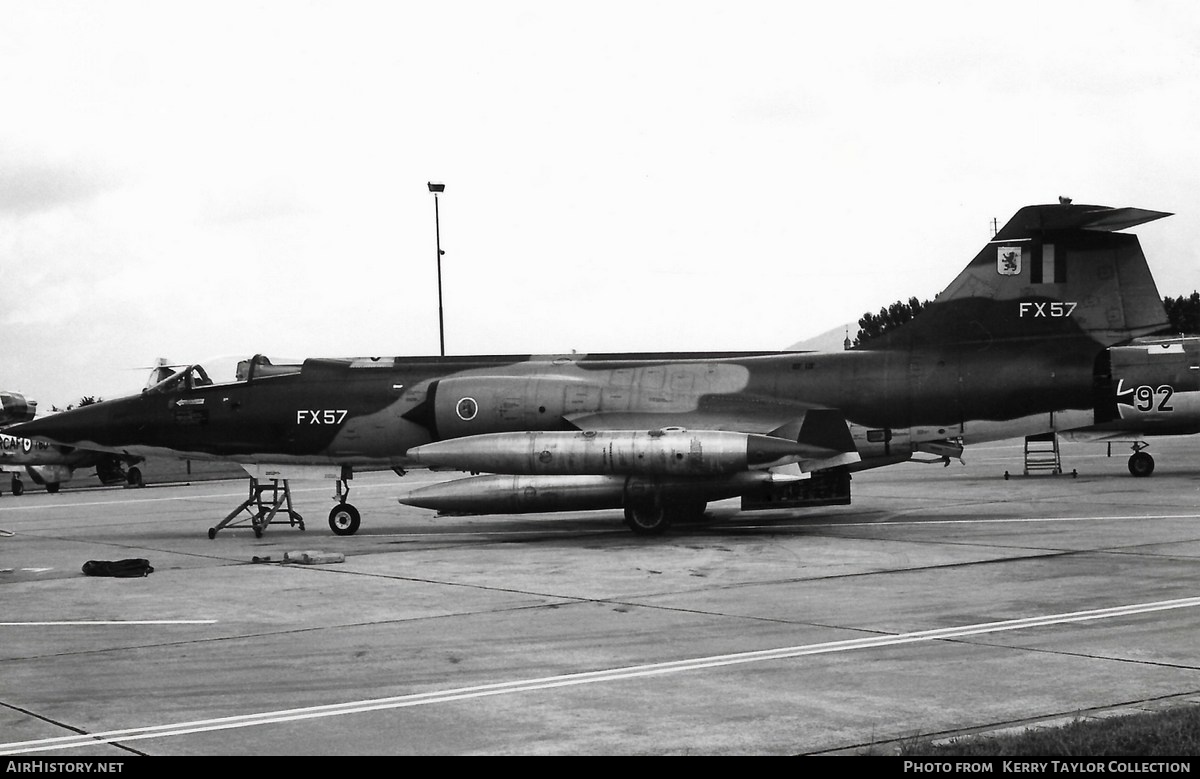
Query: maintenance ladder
pixel 1041 453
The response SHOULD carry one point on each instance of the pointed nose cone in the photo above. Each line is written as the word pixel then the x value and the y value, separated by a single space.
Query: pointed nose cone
pixel 423 455
pixel 77 427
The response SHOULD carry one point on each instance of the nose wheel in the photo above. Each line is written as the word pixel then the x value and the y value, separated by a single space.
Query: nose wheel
pixel 344 519
pixel 1140 463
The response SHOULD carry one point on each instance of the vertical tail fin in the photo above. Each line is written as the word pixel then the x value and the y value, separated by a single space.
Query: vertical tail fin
pixel 1053 271
pixel 15 408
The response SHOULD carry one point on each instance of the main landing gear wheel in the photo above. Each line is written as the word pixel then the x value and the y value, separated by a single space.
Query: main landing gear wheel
pixel 344 520
pixel 134 477
pixel 18 487
pixel 1141 464
pixel 647 519
pixel 52 487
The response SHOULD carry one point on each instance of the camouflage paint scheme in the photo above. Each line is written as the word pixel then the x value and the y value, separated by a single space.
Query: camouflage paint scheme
pixel 1020 343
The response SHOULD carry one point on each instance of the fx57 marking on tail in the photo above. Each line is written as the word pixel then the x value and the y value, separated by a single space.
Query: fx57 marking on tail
pixel 1054 309
pixel 1023 341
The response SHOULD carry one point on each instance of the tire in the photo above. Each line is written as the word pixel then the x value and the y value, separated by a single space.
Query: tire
pixel 18 488
pixel 647 519
pixel 1141 464
pixel 52 487
pixel 134 478
pixel 344 520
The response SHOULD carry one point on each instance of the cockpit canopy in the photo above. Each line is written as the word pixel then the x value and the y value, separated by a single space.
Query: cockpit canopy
pixel 226 370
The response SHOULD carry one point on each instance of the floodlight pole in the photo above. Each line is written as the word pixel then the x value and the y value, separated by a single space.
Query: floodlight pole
pixel 436 187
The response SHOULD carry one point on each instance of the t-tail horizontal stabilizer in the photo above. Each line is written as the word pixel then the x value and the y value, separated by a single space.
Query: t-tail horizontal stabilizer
pixel 1052 272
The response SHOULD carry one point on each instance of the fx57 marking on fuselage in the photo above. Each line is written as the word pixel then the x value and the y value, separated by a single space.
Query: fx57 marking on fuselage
pixel 321 416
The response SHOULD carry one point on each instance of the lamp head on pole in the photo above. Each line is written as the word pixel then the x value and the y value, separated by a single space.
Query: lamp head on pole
pixel 437 186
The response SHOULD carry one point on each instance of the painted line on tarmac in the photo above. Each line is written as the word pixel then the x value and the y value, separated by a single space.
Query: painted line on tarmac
pixel 587 677
pixel 91 622
pixel 733 523
pixel 193 497
pixel 888 521
pixel 35 506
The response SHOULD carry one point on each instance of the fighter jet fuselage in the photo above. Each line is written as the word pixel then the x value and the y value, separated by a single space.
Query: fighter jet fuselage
pixel 371 411
pixel 1019 344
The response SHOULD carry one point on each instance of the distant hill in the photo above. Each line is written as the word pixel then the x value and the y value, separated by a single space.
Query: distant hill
pixel 829 341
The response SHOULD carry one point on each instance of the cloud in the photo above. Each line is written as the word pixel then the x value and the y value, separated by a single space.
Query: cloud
pixel 265 203
pixel 32 185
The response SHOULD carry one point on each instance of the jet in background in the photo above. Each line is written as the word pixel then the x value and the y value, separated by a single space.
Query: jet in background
pixel 50 465
pixel 1149 387
pixel 14 407
pixel 1018 344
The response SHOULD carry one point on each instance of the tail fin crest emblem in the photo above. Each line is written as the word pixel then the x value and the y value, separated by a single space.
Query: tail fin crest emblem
pixel 1008 260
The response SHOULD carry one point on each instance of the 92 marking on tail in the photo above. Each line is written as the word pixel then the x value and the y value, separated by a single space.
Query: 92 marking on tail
pixel 1144 397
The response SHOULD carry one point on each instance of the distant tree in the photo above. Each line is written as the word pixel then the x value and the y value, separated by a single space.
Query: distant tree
pixel 86 400
pixel 1184 313
pixel 874 325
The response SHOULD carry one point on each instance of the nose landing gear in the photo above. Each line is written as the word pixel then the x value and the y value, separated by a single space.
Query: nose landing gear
pixel 1140 463
pixel 343 518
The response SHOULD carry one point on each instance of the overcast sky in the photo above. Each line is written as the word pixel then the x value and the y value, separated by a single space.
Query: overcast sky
pixel 190 179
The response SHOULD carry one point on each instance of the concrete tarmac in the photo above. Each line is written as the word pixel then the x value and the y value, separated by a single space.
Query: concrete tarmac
pixel 943 601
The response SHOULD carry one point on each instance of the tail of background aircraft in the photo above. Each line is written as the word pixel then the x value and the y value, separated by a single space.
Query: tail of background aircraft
pixel 1053 271
pixel 162 369
pixel 15 408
